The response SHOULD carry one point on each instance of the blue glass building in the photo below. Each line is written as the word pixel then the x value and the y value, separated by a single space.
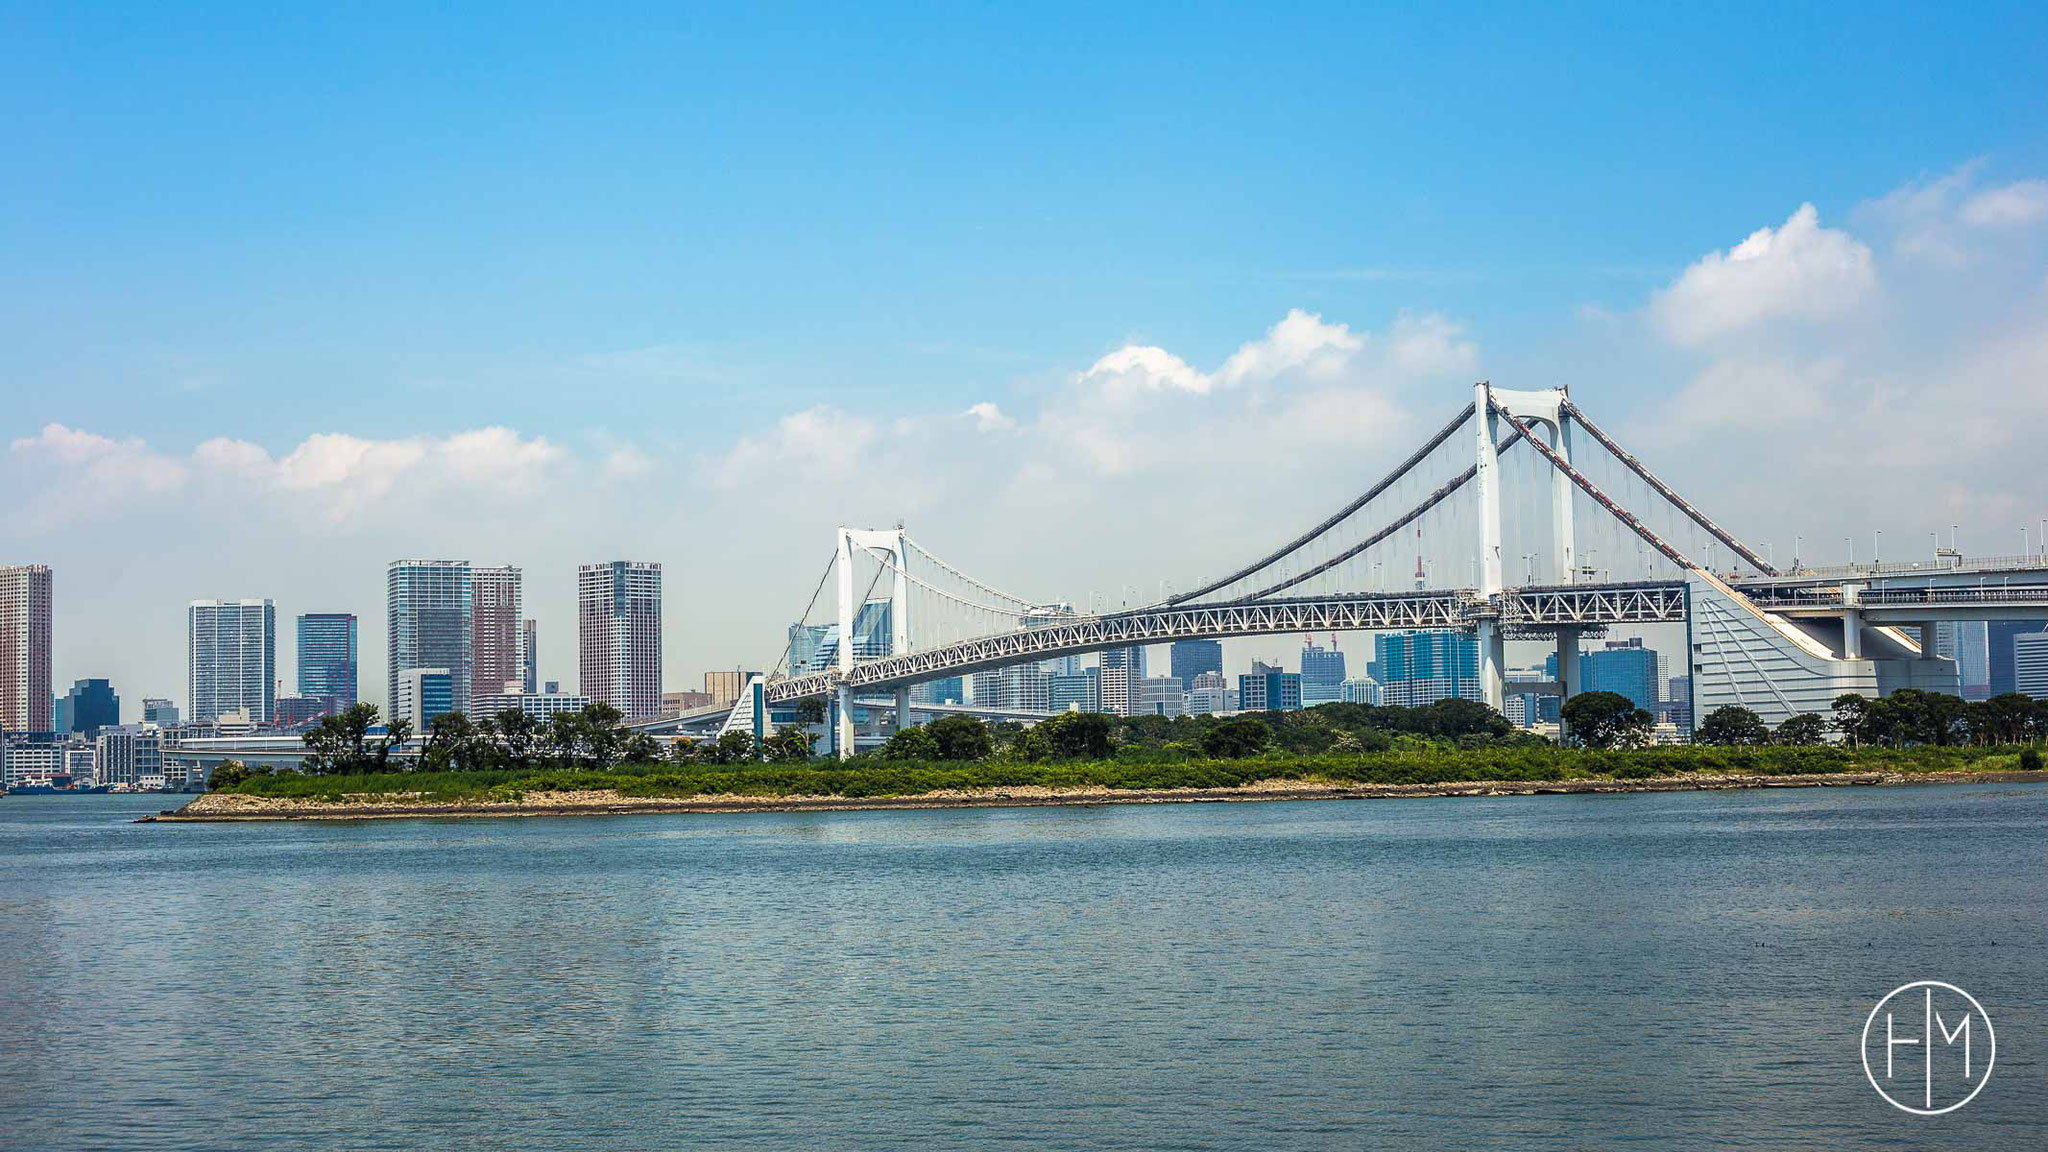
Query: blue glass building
pixel 327 657
pixel 90 706
pixel 1624 667
pixel 1322 674
pixel 1191 658
pixel 1418 668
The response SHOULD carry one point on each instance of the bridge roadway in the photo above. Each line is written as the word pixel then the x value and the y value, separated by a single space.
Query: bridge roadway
pixel 1650 602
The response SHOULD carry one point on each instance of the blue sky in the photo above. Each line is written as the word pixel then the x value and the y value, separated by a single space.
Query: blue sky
pixel 659 234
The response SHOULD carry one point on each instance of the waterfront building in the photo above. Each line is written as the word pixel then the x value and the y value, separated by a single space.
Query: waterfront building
pixel 945 690
pixel 156 710
pixel 1322 674
pixel 1159 696
pixel 1208 693
pixel 1419 668
pixel 1021 686
pixel 1677 708
pixel 1189 659
pixel 60 714
pixel 424 694
pixel 1268 688
pixel 541 706
pixel 428 625
pixel 90 706
pixel 1121 669
pixel 2001 676
pixel 130 754
pixel 29 758
pixel 81 763
pixel 677 702
pixel 497 608
pixel 25 701
pixel 529 656
pixel 724 687
pixel 300 711
pixel 2030 664
pixel 231 658
pixel 1623 667
pixel 1968 643
pixel 1079 691
pixel 1360 690
pixel 327 657
pixel 1522 702
pixel 618 635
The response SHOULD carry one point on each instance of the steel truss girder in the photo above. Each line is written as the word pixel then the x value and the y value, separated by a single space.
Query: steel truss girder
pixel 1593 604
pixel 1526 608
pixel 1370 613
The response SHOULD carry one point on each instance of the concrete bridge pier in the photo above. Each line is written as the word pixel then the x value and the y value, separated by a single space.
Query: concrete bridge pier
pixel 1568 680
pixel 842 722
pixel 1852 622
pixel 1492 662
pixel 903 708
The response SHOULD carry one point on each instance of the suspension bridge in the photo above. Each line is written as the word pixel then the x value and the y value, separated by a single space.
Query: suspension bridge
pixel 1519 519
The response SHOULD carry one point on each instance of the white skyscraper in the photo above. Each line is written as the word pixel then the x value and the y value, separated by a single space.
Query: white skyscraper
pixel 231 648
pixel 618 635
pixel 2030 664
pixel 430 624
pixel 25 648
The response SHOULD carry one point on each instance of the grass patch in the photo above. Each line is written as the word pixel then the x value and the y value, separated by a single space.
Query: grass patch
pixel 868 778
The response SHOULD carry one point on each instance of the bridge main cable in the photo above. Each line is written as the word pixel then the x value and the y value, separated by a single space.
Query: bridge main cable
pixel 1646 476
pixel 1616 510
pixel 1302 541
pixel 1432 500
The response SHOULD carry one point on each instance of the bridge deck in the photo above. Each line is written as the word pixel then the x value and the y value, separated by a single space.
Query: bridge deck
pixel 1458 608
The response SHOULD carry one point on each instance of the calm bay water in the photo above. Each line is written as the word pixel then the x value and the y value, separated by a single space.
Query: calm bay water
pixel 1684 970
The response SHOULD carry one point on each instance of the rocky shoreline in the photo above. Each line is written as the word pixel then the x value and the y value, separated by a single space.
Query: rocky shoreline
pixel 233 807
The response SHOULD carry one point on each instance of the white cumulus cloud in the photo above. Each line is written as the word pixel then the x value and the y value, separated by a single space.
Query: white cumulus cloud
pixel 1798 270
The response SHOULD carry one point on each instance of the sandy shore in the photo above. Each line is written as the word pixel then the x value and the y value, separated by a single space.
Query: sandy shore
pixel 231 807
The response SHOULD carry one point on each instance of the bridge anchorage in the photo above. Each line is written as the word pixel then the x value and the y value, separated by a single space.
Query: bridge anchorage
pixel 1520 518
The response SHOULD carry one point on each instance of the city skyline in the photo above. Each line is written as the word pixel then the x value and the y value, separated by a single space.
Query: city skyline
pixel 1803 269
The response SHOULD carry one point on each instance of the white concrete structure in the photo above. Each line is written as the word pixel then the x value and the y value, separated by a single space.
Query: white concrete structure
pixel 25 597
pixel 231 648
pixel 24 762
pixel 1158 696
pixel 131 755
pixel 1020 686
pixel 539 705
pixel 2030 664
pixel 423 694
pixel 1361 690
pixel 430 623
pixel 81 763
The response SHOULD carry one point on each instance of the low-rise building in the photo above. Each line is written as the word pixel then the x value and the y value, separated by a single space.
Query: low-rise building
pixel 1158 696
pixel 130 755
pixel 30 759
pixel 1269 689
pixel 539 705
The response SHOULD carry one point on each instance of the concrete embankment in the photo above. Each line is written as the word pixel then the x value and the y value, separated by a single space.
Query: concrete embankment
pixel 229 807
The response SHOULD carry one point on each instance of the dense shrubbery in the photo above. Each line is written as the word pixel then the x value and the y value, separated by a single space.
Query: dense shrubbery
pixel 1413 763
pixel 1450 741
